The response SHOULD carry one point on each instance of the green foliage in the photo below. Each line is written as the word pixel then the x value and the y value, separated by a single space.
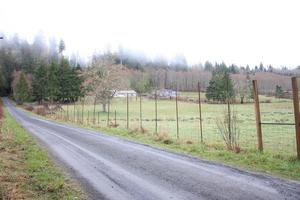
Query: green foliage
pixel 220 86
pixel 208 66
pixel 61 46
pixel 140 84
pixel 278 91
pixel 69 82
pixel 40 84
pixel 3 83
pixel 22 91
pixel 40 178
pixel 53 84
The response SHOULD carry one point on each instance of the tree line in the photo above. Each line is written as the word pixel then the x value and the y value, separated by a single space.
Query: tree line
pixel 39 71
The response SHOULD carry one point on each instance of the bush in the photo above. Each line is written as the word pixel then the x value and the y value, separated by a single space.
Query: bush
pixel 29 107
pixel 40 111
pixel 229 130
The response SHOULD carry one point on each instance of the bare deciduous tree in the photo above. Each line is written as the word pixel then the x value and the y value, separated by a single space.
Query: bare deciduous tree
pixel 102 79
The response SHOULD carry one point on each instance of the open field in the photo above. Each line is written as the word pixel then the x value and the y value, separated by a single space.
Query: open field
pixel 26 172
pixel 282 165
pixel 277 139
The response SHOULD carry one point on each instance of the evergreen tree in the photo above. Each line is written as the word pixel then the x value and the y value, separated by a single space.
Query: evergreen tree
pixel 249 87
pixel 261 67
pixel 208 66
pixel 278 91
pixel 61 47
pixel 22 91
pixel 247 69
pixel 3 84
pixel 53 84
pixel 40 84
pixel 69 82
pixel 220 86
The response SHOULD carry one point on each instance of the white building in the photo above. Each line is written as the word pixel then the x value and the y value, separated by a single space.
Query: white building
pixel 166 93
pixel 124 93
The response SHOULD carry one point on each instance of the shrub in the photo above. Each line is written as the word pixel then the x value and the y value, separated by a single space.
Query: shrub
pixel 229 130
pixel 29 107
pixel 40 111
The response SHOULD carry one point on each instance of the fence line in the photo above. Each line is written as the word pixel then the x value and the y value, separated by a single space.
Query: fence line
pixel 199 121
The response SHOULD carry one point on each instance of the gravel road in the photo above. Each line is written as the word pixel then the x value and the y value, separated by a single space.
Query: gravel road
pixel 112 168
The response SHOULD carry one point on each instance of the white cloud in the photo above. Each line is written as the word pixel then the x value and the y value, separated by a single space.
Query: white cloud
pixel 234 31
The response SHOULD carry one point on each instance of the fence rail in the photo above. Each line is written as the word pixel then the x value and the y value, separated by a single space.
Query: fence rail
pixel 199 121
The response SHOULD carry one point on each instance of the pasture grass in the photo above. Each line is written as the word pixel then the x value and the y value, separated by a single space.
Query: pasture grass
pixel 277 159
pixel 278 139
pixel 26 172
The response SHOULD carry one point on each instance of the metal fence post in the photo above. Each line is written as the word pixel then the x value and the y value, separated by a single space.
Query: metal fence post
pixel 257 116
pixel 74 111
pixel 200 113
pixel 127 112
pixel 82 110
pixel 115 118
pixel 108 110
pixel 68 111
pixel 296 113
pixel 177 124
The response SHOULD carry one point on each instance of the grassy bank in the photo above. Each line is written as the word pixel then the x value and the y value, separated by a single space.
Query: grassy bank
pixel 26 171
pixel 279 139
pixel 281 166
pixel 275 164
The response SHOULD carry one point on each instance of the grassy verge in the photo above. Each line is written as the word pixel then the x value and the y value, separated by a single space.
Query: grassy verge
pixel 281 166
pixel 278 165
pixel 26 171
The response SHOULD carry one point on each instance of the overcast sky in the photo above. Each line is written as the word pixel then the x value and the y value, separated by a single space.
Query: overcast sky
pixel 234 31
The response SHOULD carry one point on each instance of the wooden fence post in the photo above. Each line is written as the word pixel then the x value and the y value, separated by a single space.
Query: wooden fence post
pixel 177 124
pixel 296 113
pixel 257 116
pixel 200 113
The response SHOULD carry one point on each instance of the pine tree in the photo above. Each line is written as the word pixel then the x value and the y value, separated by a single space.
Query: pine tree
pixel 278 91
pixel 22 91
pixel 220 86
pixel 69 82
pixel 40 84
pixel 53 83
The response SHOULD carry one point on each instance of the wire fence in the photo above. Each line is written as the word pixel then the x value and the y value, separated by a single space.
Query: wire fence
pixel 180 119
pixel 278 120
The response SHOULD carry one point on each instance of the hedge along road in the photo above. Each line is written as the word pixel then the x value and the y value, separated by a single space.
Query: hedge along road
pixel 113 168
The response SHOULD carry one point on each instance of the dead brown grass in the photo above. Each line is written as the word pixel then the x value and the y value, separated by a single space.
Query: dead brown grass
pixel 163 137
pixel 40 110
pixel 12 176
